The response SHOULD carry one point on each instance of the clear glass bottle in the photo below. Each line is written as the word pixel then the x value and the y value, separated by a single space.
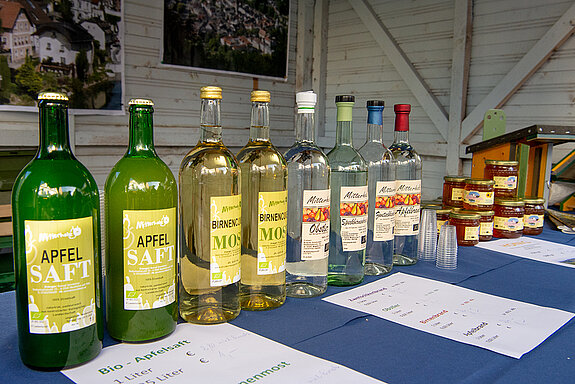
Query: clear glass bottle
pixel 408 190
pixel 210 217
pixel 349 202
pixel 141 199
pixel 308 206
pixel 57 254
pixel 381 184
pixel 264 213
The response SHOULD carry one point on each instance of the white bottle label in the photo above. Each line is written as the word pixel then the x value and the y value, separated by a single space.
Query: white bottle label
pixel 315 224
pixel 353 216
pixel 384 219
pixel 407 199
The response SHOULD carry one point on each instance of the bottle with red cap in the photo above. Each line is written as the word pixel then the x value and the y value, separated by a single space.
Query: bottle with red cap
pixel 408 190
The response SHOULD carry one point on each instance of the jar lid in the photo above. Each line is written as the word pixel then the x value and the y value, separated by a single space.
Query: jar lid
pixel 260 96
pixel 432 206
pixel 479 181
pixel 141 102
pixel 210 92
pixel 52 96
pixel 534 200
pixel 480 213
pixel 452 208
pixel 509 202
pixel 465 215
pixel 457 179
pixel 502 162
pixel 443 211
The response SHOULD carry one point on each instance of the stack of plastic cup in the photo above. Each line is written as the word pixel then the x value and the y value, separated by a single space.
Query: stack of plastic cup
pixel 447 248
pixel 427 235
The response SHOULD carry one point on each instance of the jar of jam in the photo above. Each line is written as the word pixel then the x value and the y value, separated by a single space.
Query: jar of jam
pixel 442 217
pixel 534 215
pixel 504 174
pixel 466 226
pixel 508 219
pixel 453 188
pixel 485 224
pixel 478 195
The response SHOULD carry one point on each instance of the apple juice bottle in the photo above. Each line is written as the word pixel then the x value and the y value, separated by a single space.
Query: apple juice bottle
pixel 56 221
pixel 264 213
pixel 210 217
pixel 141 198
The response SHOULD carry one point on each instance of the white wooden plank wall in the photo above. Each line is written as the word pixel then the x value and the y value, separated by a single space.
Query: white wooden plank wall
pixel 101 140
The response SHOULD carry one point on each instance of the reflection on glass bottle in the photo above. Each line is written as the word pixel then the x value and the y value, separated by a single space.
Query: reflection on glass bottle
pixel 381 183
pixel 264 213
pixel 210 217
pixel 308 206
pixel 349 202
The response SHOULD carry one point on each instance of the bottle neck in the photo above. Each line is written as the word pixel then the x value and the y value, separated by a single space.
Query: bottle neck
pixel 260 122
pixel 375 124
pixel 344 125
pixel 54 138
pixel 401 134
pixel 211 126
pixel 305 127
pixel 141 131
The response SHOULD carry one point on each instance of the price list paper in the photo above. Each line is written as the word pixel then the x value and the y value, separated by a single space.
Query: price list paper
pixel 220 353
pixel 505 326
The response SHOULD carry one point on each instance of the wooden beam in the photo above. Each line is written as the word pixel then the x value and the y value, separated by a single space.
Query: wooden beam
pixel 319 66
pixel 304 44
pixel 459 80
pixel 516 77
pixel 403 65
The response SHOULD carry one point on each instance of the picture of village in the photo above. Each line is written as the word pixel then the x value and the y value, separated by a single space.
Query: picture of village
pixel 246 36
pixel 71 46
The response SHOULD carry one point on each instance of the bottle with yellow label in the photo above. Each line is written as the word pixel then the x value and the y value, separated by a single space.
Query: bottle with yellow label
pixel 264 214
pixel 141 198
pixel 210 217
pixel 56 221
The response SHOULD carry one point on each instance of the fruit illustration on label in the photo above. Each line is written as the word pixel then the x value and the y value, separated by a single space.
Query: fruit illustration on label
pixel 311 215
pixel 353 209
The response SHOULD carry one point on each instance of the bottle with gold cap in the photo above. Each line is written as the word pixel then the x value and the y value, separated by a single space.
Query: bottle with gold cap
pixel 56 222
pixel 264 213
pixel 141 198
pixel 210 223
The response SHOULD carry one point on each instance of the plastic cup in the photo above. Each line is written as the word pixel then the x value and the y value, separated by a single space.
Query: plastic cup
pixel 427 235
pixel 447 248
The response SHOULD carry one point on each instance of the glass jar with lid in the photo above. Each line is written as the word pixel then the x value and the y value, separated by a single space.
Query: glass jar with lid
pixel 534 215
pixel 466 226
pixel 485 224
pixel 453 190
pixel 504 174
pixel 478 195
pixel 508 219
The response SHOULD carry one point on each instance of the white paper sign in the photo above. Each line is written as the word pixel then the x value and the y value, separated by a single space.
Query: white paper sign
pixel 210 354
pixel 506 326
pixel 535 249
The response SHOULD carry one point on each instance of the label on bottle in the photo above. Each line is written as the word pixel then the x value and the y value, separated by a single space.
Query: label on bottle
pixel 272 229
pixel 505 182
pixel 407 200
pixel 471 233
pixel 457 194
pixel 315 224
pixel 60 274
pixel 353 216
pixel 225 236
pixel 508 223
pixel 533 221
pixel 384 219
pixel 486 228
pixel 149 258
pixel 478 198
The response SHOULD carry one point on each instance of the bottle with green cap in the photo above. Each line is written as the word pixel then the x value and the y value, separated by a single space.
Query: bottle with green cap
pixel 264 213
pixel 349 202
pixel 57 254
pixel 141 198
pixel 210 222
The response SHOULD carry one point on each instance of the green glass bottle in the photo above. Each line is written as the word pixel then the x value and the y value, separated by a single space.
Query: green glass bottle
pixel 56 219
pixel 141 198
pixel 264 213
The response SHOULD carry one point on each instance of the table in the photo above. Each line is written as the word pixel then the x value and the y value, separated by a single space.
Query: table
pixel 388 351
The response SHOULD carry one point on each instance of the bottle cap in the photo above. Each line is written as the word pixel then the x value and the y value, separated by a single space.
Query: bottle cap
pixel 345 99
pixel 402 108
pixel 211 92
pixel 52 96
pixel 261 96
pixel 141 102
pixel 306 100
pixel 375 103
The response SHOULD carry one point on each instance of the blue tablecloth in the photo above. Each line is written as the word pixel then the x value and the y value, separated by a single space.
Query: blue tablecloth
pixel 388 351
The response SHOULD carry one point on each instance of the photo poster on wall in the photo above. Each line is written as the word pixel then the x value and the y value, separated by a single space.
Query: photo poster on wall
pixel 245 37
pixel 70 46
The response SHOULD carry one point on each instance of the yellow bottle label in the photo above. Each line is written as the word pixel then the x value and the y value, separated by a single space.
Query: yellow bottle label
pixel 533 221
pixel 471 233
pixel 505 182
pixel 457 194
pixel 60 274
pixel 486 228
pixel 149 258
pixel 225 236
pixel 508 223
pixel 272 229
